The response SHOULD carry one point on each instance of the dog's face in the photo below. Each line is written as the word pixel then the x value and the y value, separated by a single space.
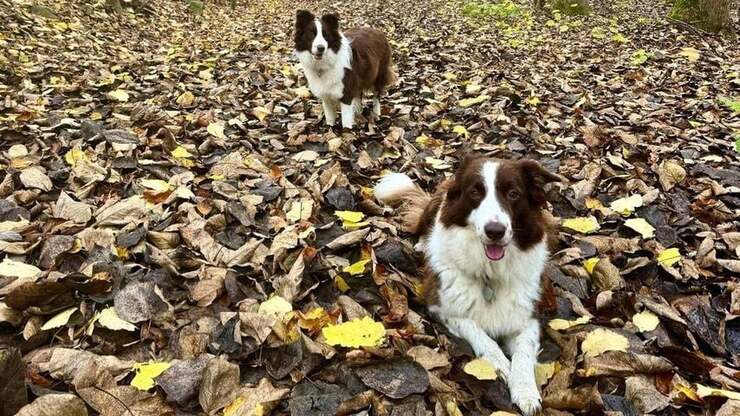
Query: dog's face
pixel 500 201
pixel 317 38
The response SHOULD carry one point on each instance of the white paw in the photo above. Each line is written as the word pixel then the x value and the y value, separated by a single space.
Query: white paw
pixel 502 366
pixel 526 398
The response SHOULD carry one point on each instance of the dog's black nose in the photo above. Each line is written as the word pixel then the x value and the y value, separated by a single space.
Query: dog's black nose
pixel 320 48
pixel 495 230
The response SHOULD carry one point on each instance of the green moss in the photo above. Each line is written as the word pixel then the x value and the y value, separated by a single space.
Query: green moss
pixel 571 7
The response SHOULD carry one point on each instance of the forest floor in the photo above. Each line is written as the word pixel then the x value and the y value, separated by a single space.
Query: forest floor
pixel 178 229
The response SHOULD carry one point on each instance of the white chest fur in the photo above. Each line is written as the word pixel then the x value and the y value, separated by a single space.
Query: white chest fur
pixel 464 271
pixel 325 77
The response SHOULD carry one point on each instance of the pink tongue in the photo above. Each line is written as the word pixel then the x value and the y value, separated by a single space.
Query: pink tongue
pixel 494 252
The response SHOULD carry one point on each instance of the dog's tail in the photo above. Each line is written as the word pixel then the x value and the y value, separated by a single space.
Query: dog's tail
pixel 399 189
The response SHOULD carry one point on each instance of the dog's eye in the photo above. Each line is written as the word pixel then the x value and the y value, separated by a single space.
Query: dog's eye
pixel 477 191
pixel 513 195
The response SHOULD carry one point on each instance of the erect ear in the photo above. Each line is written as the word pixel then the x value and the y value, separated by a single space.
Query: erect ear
pixel 302 18
pixel 331 21
pixel 536 177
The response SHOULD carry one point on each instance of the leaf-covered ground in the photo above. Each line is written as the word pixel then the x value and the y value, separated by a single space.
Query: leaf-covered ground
pixel 180 234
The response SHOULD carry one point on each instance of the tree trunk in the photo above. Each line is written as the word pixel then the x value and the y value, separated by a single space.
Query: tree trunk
pixel 718 13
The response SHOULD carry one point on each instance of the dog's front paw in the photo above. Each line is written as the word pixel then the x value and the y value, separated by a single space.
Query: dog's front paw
pixel 502 366
pixel 526 398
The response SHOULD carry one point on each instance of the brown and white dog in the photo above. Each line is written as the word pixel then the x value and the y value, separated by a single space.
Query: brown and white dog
pixel 484 237
pixel 340 67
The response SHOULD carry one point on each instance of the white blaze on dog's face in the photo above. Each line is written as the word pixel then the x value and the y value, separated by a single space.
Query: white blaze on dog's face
pixel 500 201
pixel 317 40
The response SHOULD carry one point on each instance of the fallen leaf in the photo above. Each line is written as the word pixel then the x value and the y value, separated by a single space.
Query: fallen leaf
pixel 216 129
pixel 601 340
pixel 118 95
pixel 362 332
pixel 61 404
pixel 108 318
pixel 12 268
pixel 146 373
pixel 561 324
pixel 706 391
pixel 357 267
pixel 468 102
pixel 669 257
pixel 626 206
pixel 645 321
pixel 481 369
pixel 396 378
pixel 584 225
pixel 59 320
pixel 276 305
pixel 690 53
pixel 641 226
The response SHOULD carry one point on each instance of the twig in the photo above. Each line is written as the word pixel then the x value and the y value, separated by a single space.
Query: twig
pixel 685 25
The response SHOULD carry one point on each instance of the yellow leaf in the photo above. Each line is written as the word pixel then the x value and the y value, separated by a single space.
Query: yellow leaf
pixel 461 131
pixel 468 102
pixel 544 372
pixel 641 226
pixel 146 373
pixel 302 92
pixel 73 156
pixel 300 210
pixel 481 369
pixel 260 113
pixel 688 392
pixel 356 333
pixel 533 100
pixel 585 225
pixel 560 324
pixel 690 53
pixel 12 268
pixel 231 409
pixel 645 321
pixel 60 319
pixel 626 206
pixel 276 305
pixel 472 88
pixel 356 268
pixel 109 319
pixel 351 219
pixel 216 129
pixel 181 153
pixel 449 76
pixel 118 95
pixel 437 163
pixel 341 284
pixel 185 99
pixel 452 409
pixel 669 257
pixel 589 264
pixel 601 340
pixel 350 216
pixel 157 185
pixel 704 391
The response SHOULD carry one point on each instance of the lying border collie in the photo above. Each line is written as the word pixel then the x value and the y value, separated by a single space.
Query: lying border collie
pixel 484 237
pixel 340 66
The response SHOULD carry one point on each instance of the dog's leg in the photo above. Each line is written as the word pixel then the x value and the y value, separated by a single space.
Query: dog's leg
pixel 522 385
pixel 376 106
pixel 483 345
pixel 330 111
pixel 348 115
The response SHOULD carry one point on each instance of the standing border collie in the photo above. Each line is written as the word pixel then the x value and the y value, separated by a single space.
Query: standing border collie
pixel 484 237
pixel 340 66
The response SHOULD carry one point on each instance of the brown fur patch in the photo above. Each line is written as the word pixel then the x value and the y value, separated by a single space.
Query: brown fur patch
pixel 465 192
pixel 430 286
pixel 371 63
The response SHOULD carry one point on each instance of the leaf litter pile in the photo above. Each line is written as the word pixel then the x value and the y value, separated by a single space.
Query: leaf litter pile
pixel 180 234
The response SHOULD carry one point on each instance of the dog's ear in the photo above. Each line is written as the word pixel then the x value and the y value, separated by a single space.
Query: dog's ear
pixel 302 18
pixel 536 177
pixel 455 189
pixel 331 21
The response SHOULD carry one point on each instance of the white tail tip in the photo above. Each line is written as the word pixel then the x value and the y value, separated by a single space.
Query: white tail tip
pixel 392 187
